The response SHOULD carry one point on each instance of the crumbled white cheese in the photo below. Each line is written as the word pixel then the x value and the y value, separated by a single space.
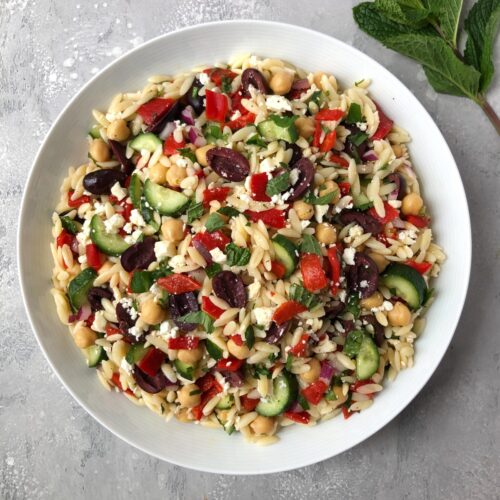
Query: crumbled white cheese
pixel 266 165
pixel 203 78
pixel 176 261
pixel 218 256
pixel 278 103
pixel 114 223
pixel 82 259
pixel 342 295
pixel 294 176
pixel 168 329
pixel 354 231
pixel 99 324
pixel 125 366
pixel 99 208
pixel 128 227
pixel 136 331
pixel 161 250
pixel 386 306
pixel 363 283
pixel 362 126
pixel 253 290
pixel 305 223
pixel 319 212
pixel 83 237
pixel 395 203
pixel 136 218
pixel 263 316
pixel 118 191
pixel 348 255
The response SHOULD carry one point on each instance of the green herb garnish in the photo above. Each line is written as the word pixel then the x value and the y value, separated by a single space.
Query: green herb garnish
pixel 353 343
pixel 237 256
pixel 303 296
pixel 311 198
pixel 310 244
pixel 188 153
pixel 355 114
pixel 200 317
pixel 194 211
pixel 213 269
pixel 278 184
pixel 214 222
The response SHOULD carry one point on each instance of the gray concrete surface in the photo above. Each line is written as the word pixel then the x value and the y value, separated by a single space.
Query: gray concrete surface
pixel 444 445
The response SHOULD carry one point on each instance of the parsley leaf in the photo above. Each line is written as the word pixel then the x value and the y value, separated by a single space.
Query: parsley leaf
pixel 311 198
pixel 213 269
pixel 256 140
pixel 278 184
pixel 188 153
pixel 354 115
pixel 249 337
pixel 310 245
pixel 200 317
pixel 303 296
pixel 229 211
pixel 358 138
pixel 353 343
pixel 213 222
pixel 237 256
pixel 194 211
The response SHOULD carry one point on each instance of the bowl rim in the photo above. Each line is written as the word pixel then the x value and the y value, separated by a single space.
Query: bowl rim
pixel 409 397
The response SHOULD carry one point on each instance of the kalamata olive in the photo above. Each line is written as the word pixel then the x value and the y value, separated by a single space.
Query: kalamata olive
pixel 101 181
pixel 253 77
pixel 124 317
pixel 366 221
pixel 119 153
pixel 347 325
pixel 378 329
pixel 96 294
pixel 296 153
pixel 333 309
pixel 180 305
pixel 158 124
pixel 235 379
pixel 275 332
pixel 151 384
pixel 139 255
pixel 230 287
pixel 194 98
pixel 397 179
pixel 203 250
pixel 229 164
pixel 362 277
pixel 306 176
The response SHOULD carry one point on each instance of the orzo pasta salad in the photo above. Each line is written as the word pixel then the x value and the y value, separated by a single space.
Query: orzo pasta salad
pixel 246 247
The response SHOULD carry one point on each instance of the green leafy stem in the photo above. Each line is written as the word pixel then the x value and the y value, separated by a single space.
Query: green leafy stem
pixel 428 31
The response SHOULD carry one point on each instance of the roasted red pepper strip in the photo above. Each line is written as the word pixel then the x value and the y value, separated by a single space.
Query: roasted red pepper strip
pixel 315 391
pixel 300 417
pixel 384 126
pixel 217 239
pixel 345 411
pixel 155 110
pixel 187 342
pixel 336 267
pixel 421 267
pixel 230 364
pixel 216 106
pixel 218 194
pixel 329 115
pixel 95 258
pixel 64 238
pixel 237 339
pixel 236 102
pixel 178 283
pixel 391 213
pixel 328 142
pixel 206 382
pixel 115 378
pixel 209 388
pixel 313 274
pixel 210 308
pixel 217 75
pixel 299 349
pixel 286 311
pixel 345 188
pixel 79 201
pixel 278 269
pixel 241 121
pixel 338 160
pixel 417 221
pixel 317 135
pixel 152 361
pixel 258 185
pixel 273 217
pixel 171 146
pixel 112 330
pixel 249 403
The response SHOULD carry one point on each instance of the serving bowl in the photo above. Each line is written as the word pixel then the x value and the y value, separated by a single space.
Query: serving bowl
pixel 195 446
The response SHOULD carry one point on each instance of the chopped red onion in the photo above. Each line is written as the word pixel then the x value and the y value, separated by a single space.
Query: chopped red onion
pixel 370 156
pixel 204 252
pixel 398 223
pixel 326 373
pixel 302 84
pixel 196 137
pixel 235 379
pixel 295 407
pixel 74 246
pixel 187 115
pixel 83 314
pixel 167 130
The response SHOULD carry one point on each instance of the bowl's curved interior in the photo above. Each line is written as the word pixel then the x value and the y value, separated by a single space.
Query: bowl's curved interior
pixel 191 445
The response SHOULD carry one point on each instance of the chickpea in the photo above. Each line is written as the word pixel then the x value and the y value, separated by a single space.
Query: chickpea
pixel 152 313
pixel 305 126
pixel 173 230
pixel 380 260
pixel 84 336
pixel 190 356
pixel 400 315
pixel 175 175
pixel 305 211
pixel 238 351
pixel 158 173
pixel 99 150
pixel 412 204
pixel 281 82
pixel 186 396
pixel 374 300
pixel 326 233
pixel 262 425
pixel 201 154
pixel 118 130
pixel 313 373
pixel 330 187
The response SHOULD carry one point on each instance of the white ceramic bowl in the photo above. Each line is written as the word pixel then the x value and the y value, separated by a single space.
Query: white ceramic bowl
pixel 194 446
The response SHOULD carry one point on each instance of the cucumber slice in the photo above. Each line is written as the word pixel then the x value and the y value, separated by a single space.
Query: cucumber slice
pixel 279 128
pixel 361 201
pixel 148 214
pixel 284 394
pixel 136 353
pixel 135 190
pixel 164 200
pixel 95 354
pixel 70 224
pixel 185 370
pixel 147 141
pixel 367 360
pixel 225 403
pixel 95 131
pixel 286 253
pixel 405 282
pixel 110 244
pixel 79 287
pixel 214 350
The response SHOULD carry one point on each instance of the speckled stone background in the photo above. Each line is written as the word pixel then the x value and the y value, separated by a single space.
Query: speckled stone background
pixel 444 445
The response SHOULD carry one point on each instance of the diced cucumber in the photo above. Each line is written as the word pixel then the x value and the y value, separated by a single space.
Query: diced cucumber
pixel 136 353
pixel 147 141
pixel 186 371
pixel 367 359
pixel 286 253
pixel 79 287
pixel 361 201
pixel 95 131
pixel 405 282
pixel 225 403
pixel 135 190
pixel 70 224
pixel 284 394
pixel 213 349
pixel 95 354
pixel 165 200
pixel 277 128
pixel 110 244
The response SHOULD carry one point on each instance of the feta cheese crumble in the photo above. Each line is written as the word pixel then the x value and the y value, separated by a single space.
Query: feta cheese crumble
pixel 278 103
pixel 115 222
pixel 218 256
pixel 348 256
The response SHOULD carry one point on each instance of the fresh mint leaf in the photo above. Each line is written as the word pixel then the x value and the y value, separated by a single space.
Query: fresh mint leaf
pixel 194 211
pixel 237 256
pixel 249 337
pixel 310 245
pixel 141 281
pixel 278 184
pixel 213 222
pixel 213 269
pixel 311 198
pixel 303 296
pixel 448 15
pixel 256 140
pixel 355 114
pixel 411 12
pixel 228 211
pixel 200 317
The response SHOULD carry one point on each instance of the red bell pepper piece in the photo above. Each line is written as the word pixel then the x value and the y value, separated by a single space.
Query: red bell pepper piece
pixel 79 201
pixel 236 102
pixel 258 185
pixel 112 330
pixel 115 378
pixel 217 239
pixel 278 269
pixel 318 131
pixel 187 342
pixel 216 106
pixel 90 320
pixel 300 417
pixel 299 349
pixel 95 258
pixel 286 311
pixel 391 213
pixel 417 221
pixel 218 194
pixel 249 403
pixel 206 382
pixel 241 121
pixel 217 75
pixel 209 388
pixel 230 364
pixel 345 411
pixel 313 274
pixel 336 267
pixel 171 146
pixel 360 383
pixel 273 217
pixel 154 110
pixel 237 339
pixel 421 267
pixel 345 188
pixel 339 160
pixel 384 126
pixel 64 238
pixel 329 115
pixel 328 141
pixel 178 283
pixel 152 361
pixel 388 233
pixel 314 392
pixel 210 308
